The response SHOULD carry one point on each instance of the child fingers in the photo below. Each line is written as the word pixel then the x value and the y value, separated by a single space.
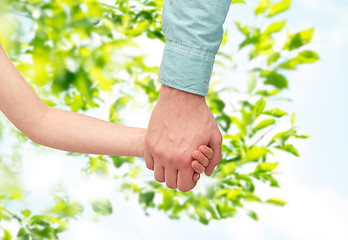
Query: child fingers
pixel 197 155
pixel 196 177
pixel 198 167
pixel 207 151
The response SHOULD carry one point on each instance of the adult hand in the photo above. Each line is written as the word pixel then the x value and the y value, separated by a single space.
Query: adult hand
pixel 179 124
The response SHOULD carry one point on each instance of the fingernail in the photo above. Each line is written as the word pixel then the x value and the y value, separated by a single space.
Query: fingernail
pixel 198 176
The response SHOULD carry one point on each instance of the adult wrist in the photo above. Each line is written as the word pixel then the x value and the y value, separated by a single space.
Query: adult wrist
pixel 169 93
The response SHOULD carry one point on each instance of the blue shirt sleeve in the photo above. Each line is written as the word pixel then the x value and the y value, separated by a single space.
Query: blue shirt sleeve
pixel 193 32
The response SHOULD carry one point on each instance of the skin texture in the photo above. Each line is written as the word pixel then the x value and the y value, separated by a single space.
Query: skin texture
pixel 70 131
pixel 179 124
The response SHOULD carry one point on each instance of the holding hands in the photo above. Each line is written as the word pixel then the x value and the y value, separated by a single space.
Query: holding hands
pixel 180 123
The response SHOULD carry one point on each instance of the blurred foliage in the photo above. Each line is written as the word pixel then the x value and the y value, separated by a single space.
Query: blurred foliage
pixel 72 52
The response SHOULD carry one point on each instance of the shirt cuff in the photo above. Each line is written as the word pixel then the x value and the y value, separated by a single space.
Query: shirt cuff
pixel 186 68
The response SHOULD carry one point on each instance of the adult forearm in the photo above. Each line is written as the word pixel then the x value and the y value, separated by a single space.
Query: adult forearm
pixel 74 132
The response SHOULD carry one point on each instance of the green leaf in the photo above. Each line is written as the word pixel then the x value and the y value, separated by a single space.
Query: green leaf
pixel 259 106
pixel 238 1
pixel 273 58
pixel 7 235
pixel 265 123
pixel 146 198
pixel 226 211
pixel 255 153
pixel 26 213
pixel 224 121
pixel 299 39
pixel 239 124
pixel 308 56
pixel 116 107
pixel 102 206
pixel 251 82
pixel 289 148
pixel 262 6
pixel 276 201
pixel 293 119
pixel 97 165
pixel 22 234
pixel 217 105
pixel 265 167
pixel 211 208
pixel 279 7
pixel 118 161
pixel 267 178
pixel 154 184
pixel 242 29
pixel 203 220
pixel 274 27
pixel 268 93
pixel 253 215
pixel 250 197
pixel 230 194
pixel 65 208
pixel 263 46
pixel 275 79
pixel 224 38
pixel 283 136
pixel 227 169
pixel 276 112
pixel 302 136
pixel 168 199
pixel 302 58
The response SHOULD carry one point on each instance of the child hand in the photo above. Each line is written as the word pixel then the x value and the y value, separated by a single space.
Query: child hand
pixel 201 160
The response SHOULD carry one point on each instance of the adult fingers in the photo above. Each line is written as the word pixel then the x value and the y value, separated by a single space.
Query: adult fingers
pixel 216 145
pixel 185 182
pixel 149 160
pixel 159 173
pixel 171 177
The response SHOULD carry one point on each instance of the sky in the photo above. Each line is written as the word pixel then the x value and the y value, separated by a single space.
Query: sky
pixel 314 185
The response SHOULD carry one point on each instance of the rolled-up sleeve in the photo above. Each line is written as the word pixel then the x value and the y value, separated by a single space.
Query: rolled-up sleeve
pixel 193 31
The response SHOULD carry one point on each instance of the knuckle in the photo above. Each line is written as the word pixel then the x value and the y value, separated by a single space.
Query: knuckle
pixel 157 151
pixel 148 143
pixel 168 158
pixel 185 163
pixel 170 162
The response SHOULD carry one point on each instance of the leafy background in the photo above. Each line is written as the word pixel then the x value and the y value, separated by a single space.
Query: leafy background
pixel 84 76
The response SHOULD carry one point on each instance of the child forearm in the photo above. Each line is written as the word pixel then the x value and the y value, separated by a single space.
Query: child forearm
pixel 76 132
pixel 61 129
